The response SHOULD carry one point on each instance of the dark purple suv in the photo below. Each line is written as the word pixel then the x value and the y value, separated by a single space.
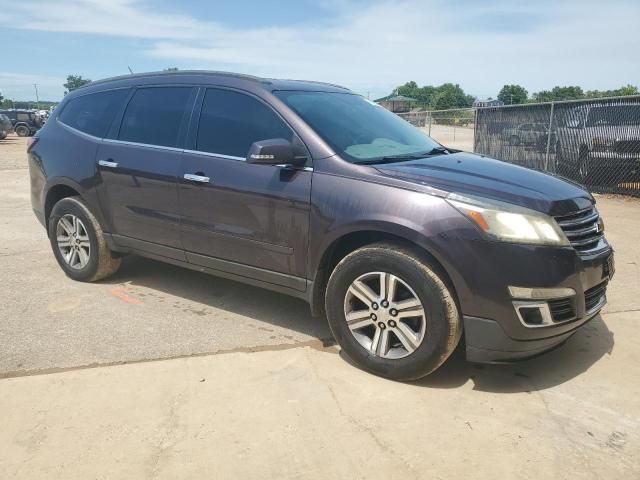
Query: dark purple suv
pixel 311 190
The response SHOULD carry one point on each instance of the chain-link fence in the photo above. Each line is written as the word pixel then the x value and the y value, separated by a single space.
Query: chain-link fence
pixel 453 128
pixel 593 142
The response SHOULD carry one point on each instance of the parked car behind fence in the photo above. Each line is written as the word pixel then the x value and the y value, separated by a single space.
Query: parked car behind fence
pixel 593 142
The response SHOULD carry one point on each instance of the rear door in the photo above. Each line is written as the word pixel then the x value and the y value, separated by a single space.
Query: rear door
pixel 252 220
pixel 139 166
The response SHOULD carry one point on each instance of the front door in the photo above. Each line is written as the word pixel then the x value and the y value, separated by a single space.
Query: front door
pixel 246 219
pixel 139 168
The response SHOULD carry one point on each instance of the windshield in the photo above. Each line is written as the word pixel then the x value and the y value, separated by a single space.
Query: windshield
pixel 614 115
pixel 356 128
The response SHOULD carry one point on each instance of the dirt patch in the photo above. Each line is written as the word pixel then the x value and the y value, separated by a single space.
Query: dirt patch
pixel 13 152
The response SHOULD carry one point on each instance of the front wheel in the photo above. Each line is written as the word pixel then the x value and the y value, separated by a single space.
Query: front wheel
pixel 391 312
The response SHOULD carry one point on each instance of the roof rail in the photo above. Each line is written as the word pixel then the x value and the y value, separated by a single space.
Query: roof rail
pixel 310 81
pixel 176 72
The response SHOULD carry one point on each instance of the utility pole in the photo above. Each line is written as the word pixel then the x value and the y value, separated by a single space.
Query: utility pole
pixel 35 85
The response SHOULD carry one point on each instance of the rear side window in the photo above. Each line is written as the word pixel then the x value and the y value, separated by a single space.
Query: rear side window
pixel 230 122
pixel 154 116
pixel 93 113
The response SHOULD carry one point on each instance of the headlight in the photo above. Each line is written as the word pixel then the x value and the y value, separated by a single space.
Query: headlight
pixel 509 223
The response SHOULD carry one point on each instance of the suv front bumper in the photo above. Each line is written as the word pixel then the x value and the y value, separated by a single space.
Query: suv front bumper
pixel 486 341
pixel 495 330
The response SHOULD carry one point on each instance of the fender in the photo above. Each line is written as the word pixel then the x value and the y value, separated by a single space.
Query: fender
pixel 437 247
pixel 87 193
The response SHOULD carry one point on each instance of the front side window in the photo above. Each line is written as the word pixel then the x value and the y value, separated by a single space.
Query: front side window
pixel 93 113
pixel 230 122
pixel 356 128
pixel 154 116
pixel 614 115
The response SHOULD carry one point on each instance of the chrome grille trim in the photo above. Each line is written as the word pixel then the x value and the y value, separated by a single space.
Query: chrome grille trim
pixel 572 221
pixel 583 229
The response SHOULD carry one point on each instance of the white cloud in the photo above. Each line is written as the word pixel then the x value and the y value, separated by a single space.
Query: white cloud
pixel 379 45
pixel 20 86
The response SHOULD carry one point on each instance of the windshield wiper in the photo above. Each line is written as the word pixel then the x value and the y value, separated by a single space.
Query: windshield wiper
pixel 405 157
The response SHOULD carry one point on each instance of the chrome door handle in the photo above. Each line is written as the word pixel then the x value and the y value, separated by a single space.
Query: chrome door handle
pixel 107 163
pixel 196 178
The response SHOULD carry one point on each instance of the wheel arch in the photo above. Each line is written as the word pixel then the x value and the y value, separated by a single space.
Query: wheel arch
pixel 57 189
pixel 347 242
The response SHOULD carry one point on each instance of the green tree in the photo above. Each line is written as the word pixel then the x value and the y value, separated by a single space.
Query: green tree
pixel 449 96
pixel 513 95
pixel 559 94
pixel 618 92
pixel 75 81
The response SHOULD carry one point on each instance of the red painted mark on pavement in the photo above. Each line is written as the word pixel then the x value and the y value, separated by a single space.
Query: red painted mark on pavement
pixel 121 293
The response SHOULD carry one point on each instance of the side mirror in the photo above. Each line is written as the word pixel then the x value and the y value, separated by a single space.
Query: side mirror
pixel 276 151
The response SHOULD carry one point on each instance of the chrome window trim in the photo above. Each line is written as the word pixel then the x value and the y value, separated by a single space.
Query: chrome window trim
pixel 217 155
pixel 138 144
pixel 75 130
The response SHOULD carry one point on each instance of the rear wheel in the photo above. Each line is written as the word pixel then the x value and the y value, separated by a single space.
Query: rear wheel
pixel 514 140
pixel 391 312
pixel 22 131
pixel 78 242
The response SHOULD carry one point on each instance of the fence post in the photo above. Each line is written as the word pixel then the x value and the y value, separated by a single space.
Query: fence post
pixel 546 157
pixel 430 118
pixel 475 123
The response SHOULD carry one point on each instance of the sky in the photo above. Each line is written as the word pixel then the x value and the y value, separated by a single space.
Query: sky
pixel 368 46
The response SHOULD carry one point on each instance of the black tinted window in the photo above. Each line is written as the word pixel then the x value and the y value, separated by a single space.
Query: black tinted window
pixel 93 113
pixel 154 115
pixel 230 122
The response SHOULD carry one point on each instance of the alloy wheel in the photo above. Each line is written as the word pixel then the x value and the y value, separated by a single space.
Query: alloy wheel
pixel 73 241
pixel 385 315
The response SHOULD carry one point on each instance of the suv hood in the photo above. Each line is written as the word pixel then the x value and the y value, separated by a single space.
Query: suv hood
pixel 485 177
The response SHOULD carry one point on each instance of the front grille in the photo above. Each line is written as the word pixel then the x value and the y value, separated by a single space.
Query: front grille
pixel 627 146
pixel 583 229
pixel 562 309
pixel 594 296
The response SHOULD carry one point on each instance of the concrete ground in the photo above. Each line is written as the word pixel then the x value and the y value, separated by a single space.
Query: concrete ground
pixel 161 372
pixel 453 136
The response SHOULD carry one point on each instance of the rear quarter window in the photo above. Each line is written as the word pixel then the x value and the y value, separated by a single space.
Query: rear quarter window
pixel 93 113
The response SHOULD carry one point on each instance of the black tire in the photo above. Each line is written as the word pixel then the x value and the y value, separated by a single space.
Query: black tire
pixel 443 324
pixel 514 140
pixel 101 263
pixel 3 136
pixel 584 166
pixel 562 165
pixel 22 131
